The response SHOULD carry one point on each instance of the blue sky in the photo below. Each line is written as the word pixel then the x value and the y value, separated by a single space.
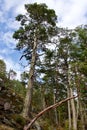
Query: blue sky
pixel 71 13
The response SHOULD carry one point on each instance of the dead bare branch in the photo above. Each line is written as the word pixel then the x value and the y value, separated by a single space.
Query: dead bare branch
pixel 45 110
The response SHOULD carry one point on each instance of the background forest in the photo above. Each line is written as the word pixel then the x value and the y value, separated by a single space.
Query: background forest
pixel 57 60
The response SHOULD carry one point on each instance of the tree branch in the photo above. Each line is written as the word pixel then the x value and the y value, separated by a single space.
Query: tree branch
pixel 45 110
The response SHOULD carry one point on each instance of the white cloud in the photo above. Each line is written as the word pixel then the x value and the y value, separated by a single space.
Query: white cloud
pixel 12 24
pixel 10 64
pixel 70 13
pixel 6 51
pixel 1 17
pixel 9 4
pixel 19 10
pixel 75 15
pixel 7 39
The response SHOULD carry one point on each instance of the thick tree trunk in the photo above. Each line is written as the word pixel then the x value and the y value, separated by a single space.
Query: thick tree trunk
pixel 28 98
pixel 74 114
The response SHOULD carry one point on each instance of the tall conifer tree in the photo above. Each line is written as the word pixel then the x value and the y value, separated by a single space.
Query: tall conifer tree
pixel 38 26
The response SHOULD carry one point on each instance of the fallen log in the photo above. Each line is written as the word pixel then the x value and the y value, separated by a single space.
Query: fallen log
pixel 26 127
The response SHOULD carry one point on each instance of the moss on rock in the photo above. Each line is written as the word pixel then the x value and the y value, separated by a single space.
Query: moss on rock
pixel 11 105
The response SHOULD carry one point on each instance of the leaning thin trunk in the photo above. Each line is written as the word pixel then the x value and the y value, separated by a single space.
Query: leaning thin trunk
pixel 26 127
pixel 74 116
pixel 28 98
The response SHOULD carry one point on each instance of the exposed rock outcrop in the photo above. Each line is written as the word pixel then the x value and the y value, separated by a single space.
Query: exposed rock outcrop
pixel 11 106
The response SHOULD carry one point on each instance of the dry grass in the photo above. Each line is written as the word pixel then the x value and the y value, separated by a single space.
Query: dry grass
pixel 4 127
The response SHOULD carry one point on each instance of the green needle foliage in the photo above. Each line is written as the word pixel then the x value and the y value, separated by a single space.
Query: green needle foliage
pixel 38 20
pixel 37 27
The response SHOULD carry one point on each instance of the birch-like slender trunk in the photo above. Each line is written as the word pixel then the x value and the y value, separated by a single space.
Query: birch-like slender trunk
pixel 82 116
pixel 77 108
pixel 69 94
pixel 80 110
pixel 69 109
pixel 74 115
pixel 80 107
pixel 28 98
pixel 55 111
pixel 43 98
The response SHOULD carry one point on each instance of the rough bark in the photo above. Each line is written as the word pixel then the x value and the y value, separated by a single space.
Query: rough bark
pixel 45 110
pixel 28 98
